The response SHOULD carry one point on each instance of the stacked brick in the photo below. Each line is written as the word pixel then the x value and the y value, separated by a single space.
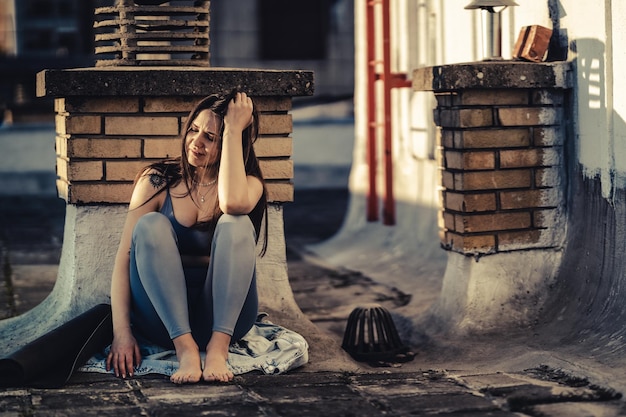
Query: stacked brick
pixel 501 163
pixel 103 142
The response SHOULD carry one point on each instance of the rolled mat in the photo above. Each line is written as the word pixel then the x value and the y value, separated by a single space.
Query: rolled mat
pixel 50 360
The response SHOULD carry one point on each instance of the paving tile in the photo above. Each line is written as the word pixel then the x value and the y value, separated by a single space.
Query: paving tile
pixel 197 394
pixel 15 401
pixel 295 378
pixel 60 399
pixel 579 409
pixel 466 413
pixel 305 394
pixel 439 403
pixel 492 380
pixel 194 410
pixel 71 411
pixel 401 384
pixel 329 408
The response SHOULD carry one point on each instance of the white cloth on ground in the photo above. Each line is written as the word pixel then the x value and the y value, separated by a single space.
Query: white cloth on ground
pixel 267 347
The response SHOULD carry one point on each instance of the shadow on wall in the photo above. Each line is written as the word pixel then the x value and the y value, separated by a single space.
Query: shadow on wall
pixel 558 48
pixel 586 311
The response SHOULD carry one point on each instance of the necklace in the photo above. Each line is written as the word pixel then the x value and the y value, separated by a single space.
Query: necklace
pixel 202 200
pixel 205 184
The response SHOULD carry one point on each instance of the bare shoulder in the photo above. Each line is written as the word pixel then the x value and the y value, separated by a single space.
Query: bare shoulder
pixel 153 178
pixel 148 189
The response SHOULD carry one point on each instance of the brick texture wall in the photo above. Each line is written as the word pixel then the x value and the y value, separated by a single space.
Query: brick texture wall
pixel 501 158
pixel 103 142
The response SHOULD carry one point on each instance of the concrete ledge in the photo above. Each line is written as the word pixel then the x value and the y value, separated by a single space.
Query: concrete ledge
pixel 165 81
pixel 494 74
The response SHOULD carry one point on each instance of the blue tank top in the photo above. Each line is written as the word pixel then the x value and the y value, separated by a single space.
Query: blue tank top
pixel 195 240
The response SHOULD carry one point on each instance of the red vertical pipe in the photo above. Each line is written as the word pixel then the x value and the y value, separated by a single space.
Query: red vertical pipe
pixel 372 196
pixel 389 209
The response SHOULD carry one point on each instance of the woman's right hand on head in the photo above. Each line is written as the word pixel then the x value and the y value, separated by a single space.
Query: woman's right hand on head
pixel 239 114
pixel 124 355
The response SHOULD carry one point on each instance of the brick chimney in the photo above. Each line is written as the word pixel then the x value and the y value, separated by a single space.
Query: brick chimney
pixel 501 136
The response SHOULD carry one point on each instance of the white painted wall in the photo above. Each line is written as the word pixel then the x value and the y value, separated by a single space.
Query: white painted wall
pixel 597 38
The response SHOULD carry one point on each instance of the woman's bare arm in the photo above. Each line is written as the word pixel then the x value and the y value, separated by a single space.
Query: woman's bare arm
pixel 238 193
pixel 124 350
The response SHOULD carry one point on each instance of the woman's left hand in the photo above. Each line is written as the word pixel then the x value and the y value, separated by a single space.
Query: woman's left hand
pixel 239 114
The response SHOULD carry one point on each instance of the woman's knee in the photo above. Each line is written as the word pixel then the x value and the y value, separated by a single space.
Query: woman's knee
pixel 237 228
pixel 152 227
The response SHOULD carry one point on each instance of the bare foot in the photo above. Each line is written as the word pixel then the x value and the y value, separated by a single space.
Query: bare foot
pixel 215 368
pixel 190 365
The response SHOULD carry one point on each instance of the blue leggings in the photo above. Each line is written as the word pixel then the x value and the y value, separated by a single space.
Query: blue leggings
pixel 169 300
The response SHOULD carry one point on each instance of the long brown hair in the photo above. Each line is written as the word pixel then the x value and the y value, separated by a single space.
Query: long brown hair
pixel 175 170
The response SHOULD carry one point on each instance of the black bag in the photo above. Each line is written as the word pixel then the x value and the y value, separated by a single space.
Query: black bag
pixel 50 360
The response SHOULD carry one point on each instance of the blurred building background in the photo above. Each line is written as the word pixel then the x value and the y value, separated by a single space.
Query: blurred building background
pixel 45 34
pixel 274 34
pixel 38 34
